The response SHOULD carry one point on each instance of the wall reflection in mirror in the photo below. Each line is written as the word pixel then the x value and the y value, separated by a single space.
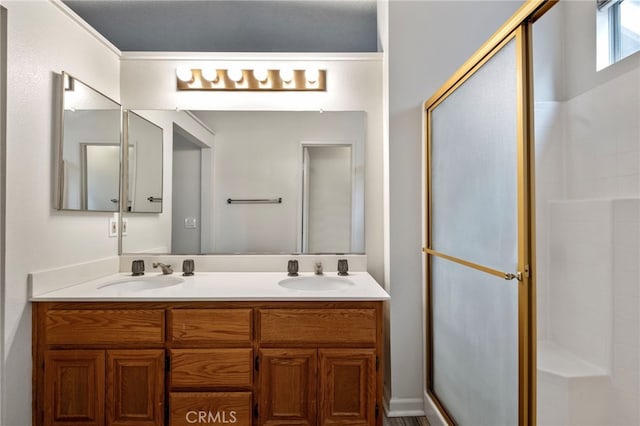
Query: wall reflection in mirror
pixel 144 140
pixel 311 163
pixel 88 149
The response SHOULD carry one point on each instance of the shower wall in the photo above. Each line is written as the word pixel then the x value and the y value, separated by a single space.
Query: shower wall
pixel 588 239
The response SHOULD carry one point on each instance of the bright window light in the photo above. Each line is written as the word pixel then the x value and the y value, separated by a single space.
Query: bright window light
pixel 618 30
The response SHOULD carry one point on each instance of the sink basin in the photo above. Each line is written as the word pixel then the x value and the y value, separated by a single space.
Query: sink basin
pixel 142 283
pixel 316 283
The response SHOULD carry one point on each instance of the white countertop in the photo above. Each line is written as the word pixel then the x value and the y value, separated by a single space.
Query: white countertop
pixel 215 286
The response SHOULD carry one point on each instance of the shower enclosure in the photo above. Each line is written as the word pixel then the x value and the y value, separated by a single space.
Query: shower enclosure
pixel 533 227
pixel 587 143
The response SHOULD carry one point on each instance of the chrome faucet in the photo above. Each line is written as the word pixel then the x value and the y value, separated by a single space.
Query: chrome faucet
pixel 317 268
pixel 166 269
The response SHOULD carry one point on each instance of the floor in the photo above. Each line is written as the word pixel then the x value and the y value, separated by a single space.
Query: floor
pixel 405 421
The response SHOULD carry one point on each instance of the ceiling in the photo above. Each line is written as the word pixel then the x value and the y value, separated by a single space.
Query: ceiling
pixel 234 25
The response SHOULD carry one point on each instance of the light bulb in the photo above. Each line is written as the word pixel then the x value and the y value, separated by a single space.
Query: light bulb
pixel 210 74
pixel 312 74
pixel 235 74
pixel 184 73
pixel 260 74
pixel 286 74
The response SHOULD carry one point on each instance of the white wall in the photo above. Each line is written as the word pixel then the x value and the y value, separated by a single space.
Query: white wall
pixel 354 83
pixel 428 41
pixel 42 41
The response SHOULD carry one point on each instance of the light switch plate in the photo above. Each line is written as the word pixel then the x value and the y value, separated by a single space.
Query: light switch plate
pixel 113 227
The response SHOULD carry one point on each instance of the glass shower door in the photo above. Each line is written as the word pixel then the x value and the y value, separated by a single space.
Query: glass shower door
pixel 475 260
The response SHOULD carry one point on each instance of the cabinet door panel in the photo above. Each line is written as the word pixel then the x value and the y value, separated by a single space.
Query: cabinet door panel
pixel 347 387
pixel 135 387
pixel 74 387
pixel 288 386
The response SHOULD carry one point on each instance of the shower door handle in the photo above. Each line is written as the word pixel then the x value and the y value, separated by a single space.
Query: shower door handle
pixel 501 274
pixel 509 276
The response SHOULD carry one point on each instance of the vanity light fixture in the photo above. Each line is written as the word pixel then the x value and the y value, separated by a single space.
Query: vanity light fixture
pixel 210 74
pixel 312 74
pixel 184 74
pixel 251 79
pixel 235 74
pixel 286 74
pixel 261 74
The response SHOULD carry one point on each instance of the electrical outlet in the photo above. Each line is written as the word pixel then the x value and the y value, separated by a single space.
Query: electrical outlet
pixel 125 225
pixel 113 227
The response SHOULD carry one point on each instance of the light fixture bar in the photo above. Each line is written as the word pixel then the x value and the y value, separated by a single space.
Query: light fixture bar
pixel 252 80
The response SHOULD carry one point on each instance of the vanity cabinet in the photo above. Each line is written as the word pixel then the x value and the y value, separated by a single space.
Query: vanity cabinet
pixel 99 366
pixel 323 367
pixel 183 363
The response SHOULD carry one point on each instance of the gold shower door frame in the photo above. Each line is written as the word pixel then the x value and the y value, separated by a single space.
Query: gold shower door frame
pixel 518 28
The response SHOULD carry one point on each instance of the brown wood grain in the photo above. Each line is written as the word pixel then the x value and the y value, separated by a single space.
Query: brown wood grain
pixel 74 387
pixel 208 368
pixel 288 387
pixel 347 387
pixel 210 326
pixel 135 387
pixel 104 326
pixel 189 408
pixel 317 359
pixel 318 326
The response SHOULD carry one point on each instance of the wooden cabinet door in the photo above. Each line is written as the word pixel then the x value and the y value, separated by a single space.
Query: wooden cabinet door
pixel 74 387
pixel 347 387
pixel 288 386
pixel 135 387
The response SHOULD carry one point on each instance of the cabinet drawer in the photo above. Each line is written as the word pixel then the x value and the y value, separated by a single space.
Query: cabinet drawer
pixel 318 326
pixel 92 327
pixel 210 326
pixel 188 408
pixel 197 368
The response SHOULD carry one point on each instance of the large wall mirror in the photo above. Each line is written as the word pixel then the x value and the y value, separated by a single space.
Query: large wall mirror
pixel 88 149
pixel 257 182
pixel 143 175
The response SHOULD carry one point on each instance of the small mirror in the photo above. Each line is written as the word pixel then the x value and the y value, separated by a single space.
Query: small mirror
pixel 89 149
pixel 144 157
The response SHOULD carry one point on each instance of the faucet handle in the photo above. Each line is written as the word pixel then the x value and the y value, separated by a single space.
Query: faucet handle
pixel 137 268
pixel 188 266
pixel 292 268
pixel 343 267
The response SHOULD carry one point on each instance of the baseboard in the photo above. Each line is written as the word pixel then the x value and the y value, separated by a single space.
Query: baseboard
pixel 431 412
pixel 402 407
